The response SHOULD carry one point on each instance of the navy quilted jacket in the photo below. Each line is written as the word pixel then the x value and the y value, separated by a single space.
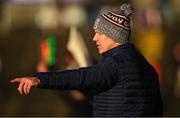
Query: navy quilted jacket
pixel 123 83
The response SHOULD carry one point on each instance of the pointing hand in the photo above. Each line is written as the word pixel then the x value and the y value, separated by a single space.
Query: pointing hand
pixel 25 84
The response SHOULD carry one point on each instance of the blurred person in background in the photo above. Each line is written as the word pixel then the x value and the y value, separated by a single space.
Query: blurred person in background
pixel 48 63
pixel 123 83
pixel 150 36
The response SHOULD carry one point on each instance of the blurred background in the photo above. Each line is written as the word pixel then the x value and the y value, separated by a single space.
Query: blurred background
pixel 53 35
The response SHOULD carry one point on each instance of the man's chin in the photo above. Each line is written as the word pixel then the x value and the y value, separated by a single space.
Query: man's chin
pixel 100 51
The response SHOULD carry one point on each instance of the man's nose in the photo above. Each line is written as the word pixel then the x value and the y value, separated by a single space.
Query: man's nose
pixel 95 37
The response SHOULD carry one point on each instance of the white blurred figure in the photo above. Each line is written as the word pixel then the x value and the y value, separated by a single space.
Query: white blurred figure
pixel 47 17
pixel 77 47
pixel 73 15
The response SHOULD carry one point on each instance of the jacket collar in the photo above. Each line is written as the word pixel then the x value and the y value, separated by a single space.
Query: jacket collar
pixel 117 50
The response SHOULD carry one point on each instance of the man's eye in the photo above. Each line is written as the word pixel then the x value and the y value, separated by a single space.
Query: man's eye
pixel 99 33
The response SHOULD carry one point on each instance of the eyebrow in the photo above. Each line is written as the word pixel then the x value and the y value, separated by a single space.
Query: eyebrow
pixel 96 31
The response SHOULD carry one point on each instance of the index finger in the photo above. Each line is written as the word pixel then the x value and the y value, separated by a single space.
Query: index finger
pixel 15 80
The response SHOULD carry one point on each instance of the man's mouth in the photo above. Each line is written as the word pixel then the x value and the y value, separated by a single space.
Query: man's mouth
pixel 98 46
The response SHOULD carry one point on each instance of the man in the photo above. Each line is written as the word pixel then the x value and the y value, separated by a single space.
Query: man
pixel 123 83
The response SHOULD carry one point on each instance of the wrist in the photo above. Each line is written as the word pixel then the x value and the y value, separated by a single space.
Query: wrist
pixel 36 82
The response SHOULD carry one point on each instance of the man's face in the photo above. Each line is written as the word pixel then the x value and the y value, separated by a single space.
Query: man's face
pixel 103 42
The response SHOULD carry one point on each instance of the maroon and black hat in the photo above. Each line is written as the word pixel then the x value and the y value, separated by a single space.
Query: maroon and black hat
pixel 115 24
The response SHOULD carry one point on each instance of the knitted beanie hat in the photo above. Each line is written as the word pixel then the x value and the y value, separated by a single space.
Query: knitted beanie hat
pixel 115 24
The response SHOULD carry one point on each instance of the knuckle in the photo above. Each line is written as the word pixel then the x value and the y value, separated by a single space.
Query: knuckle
pixel 28 87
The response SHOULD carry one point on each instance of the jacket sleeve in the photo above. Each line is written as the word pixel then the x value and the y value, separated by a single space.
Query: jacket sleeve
pixel 93 79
